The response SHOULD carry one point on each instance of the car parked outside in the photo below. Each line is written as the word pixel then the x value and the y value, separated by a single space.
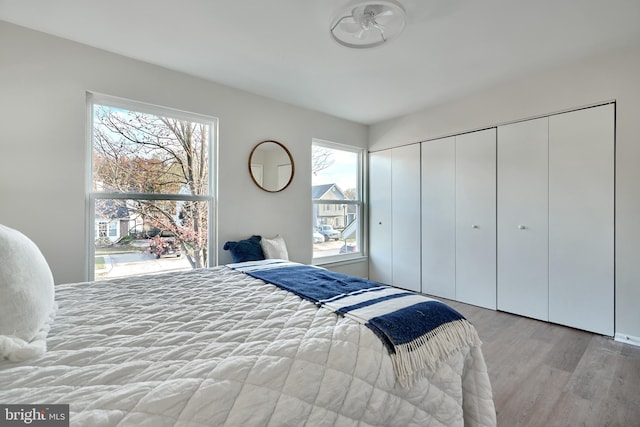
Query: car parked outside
pixel 317 237
pixel 348 248
pixel 164 247
pixel 329 233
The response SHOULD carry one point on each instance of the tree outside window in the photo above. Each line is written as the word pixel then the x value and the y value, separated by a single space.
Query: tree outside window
pixel 150 180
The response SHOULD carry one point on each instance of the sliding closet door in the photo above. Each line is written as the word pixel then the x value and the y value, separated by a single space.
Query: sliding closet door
pixel 581 219
pixel 476 218
pixel 380 260
pixel 523 218
pixel 405 212
pixel 439 217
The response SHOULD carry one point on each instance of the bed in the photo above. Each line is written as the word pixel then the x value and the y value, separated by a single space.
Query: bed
pixel 219 347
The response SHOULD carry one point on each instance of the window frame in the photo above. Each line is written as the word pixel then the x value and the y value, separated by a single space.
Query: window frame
pixel 359 203
pixel 112 229
pixel 91 196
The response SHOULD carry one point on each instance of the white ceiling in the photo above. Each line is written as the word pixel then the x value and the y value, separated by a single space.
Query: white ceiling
pixel 282 48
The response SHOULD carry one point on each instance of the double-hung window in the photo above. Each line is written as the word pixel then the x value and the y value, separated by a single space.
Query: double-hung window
pixel 151 186
pixel 337 187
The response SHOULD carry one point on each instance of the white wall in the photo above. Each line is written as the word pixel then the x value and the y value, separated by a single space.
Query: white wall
pixel 43 86
pixel 611 77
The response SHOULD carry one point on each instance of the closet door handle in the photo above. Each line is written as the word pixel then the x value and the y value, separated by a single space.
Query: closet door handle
pixel 474 226
pixel 521 227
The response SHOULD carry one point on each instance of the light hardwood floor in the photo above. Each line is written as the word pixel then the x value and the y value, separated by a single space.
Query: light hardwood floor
pixel 550 375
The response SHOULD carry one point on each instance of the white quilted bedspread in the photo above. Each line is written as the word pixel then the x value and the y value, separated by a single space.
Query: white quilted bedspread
pixel 214 347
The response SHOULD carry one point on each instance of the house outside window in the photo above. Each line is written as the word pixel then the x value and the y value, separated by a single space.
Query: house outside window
pixel 151 190
pixel 337 201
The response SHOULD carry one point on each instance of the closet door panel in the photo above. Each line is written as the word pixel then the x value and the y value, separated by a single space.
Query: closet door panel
pixel 380 259
pixel 476 218
pixel 523 214
pixel 581 219
pixel 438 218
pixel 405 212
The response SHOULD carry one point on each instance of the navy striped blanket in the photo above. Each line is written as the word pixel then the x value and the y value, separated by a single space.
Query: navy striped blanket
pixel 418 332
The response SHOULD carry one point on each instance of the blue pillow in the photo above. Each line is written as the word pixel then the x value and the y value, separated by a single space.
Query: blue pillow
pixel 245 250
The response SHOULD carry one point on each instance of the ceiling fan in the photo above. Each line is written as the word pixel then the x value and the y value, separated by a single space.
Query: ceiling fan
pixel 362 24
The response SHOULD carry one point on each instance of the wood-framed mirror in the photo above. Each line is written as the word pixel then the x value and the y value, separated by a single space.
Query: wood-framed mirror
pixel 271 166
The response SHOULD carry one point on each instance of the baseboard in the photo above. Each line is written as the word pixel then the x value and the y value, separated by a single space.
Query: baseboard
pixel 627 339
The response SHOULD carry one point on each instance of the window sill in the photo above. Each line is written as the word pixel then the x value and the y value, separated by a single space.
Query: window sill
pixel 333 262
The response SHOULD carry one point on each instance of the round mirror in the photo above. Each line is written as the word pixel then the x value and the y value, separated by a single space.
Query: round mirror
pixel 271 166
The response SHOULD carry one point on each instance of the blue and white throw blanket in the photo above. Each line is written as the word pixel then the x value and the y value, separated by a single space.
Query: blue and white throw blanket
pixel 418 332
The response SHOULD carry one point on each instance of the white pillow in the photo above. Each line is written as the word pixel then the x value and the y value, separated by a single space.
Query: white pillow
pixel 274 247
pixel 27 303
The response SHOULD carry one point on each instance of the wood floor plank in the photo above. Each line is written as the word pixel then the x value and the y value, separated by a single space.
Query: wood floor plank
pixel 625 390
pixel 550 375
pixel 569 347
pixel 572 411
pixel 596 370
pixel 535 398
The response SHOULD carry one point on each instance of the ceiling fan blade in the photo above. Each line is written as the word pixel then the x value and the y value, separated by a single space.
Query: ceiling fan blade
pixel 358 13
pixel 385 12
pixel 374 9
pixel 360 35
pixel 350 27
pixel 379 27
pixel 384 17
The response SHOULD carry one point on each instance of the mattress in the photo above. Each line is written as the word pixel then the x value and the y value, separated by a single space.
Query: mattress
pixel 216 347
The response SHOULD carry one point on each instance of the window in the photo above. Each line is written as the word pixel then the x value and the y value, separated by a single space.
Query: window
pixel 102 229
pixel 113 229
pixel 337 201
pixel 151 192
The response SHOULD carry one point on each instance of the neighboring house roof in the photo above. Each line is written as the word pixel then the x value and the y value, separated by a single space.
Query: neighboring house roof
pixel 328 192
pixel 111 209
